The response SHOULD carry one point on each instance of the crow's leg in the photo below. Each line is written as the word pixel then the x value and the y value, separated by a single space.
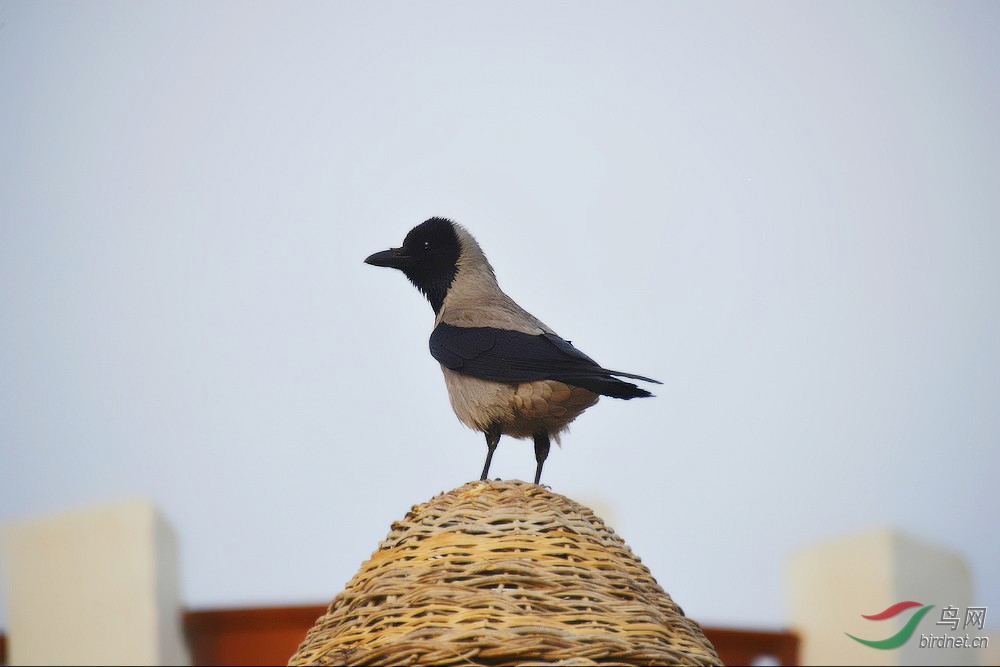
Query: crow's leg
pixel 492 438
pixel 541 452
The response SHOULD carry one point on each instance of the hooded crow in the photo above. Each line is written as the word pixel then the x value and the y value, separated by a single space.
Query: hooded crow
pixel 506 372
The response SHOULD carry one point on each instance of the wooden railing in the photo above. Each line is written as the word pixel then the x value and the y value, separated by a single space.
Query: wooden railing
pixel 270 635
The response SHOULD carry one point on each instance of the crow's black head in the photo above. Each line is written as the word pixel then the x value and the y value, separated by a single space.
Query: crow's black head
pixel 428 257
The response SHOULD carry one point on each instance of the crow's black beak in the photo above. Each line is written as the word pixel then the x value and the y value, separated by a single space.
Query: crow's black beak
pixel 394 258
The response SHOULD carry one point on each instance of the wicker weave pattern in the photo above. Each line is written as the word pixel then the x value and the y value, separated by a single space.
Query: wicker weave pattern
pixel 503 573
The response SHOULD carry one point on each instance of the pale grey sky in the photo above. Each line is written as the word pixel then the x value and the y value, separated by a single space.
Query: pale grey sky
pixel 787 212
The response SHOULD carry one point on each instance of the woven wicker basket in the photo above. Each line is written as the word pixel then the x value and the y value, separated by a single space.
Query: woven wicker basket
pixel 503 573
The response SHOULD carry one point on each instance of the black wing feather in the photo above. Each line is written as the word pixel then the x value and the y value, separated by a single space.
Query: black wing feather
pixel 513 356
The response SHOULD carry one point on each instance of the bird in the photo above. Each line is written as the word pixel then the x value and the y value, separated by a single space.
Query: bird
pixel 506 372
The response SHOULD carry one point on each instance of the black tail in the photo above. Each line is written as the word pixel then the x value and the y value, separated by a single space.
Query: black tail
pixel 607 385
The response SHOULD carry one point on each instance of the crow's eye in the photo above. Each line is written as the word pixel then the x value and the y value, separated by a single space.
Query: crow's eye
pixel 427 245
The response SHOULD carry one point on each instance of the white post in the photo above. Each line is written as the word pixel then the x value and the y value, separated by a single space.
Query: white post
pixel 833 584
pixel 98 586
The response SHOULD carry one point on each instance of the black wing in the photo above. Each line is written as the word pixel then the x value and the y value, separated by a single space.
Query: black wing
pixel 512 356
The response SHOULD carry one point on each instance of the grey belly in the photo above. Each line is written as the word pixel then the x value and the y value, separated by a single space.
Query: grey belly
pixel 521 409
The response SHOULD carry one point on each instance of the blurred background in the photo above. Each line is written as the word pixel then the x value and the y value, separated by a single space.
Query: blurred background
pixel 787 212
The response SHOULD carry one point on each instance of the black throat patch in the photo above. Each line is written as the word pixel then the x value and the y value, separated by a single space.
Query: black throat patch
pixel 435 248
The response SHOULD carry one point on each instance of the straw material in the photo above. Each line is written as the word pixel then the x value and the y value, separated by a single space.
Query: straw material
pixel 503 573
